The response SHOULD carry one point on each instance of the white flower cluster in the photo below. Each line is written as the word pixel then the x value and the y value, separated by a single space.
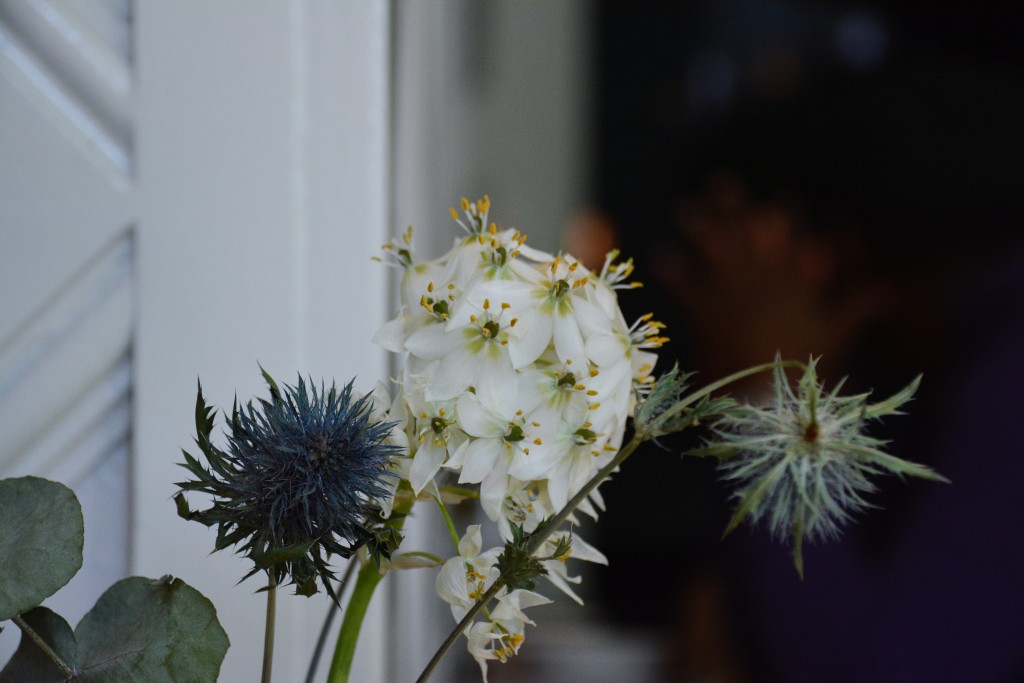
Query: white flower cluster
pixel 520 373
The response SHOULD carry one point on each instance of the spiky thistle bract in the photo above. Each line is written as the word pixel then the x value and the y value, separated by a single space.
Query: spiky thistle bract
pixel 804 464
pixel 298 482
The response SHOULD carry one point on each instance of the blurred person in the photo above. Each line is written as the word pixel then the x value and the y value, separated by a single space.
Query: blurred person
pixel 914 173
pixel 875 221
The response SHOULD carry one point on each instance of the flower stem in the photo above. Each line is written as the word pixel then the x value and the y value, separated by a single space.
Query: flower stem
pixel 459 628
pixel 42 645
pixel 452 531
pixel 725 381
pixel 268 634
pixel 351 625
pixel 328 620
pixel 366 582
pixel 537 539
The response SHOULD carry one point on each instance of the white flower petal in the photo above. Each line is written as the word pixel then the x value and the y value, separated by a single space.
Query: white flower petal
pixel 478 421
pixel 493 490
pixel 569 341
pixel 432 342
pixel 428 460
pixel 495 380
pixel 392 334
pixel 479 460
pixel 451 585
pixel 532 335
pixel 471 542
pixel 453 374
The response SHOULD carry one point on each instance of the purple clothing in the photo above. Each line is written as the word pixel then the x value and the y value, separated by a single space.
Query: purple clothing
pixel 944 599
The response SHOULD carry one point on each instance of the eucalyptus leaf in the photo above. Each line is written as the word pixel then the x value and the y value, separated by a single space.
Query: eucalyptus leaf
pixel 40 542
pixel 29 663
pixel 140 631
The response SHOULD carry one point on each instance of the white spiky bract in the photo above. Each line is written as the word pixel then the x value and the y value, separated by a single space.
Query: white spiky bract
pixel 803 464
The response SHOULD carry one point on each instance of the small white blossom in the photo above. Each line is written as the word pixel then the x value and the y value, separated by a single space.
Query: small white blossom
pixel 519 374
pixel 557 570
pixel 464 578
pixel 503 633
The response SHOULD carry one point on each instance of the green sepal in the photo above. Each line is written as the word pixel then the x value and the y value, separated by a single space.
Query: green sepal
pixel 184 511
pixel 276 556
pixel 518 568
pixel 275 391
pixel 308 587
pixel 204 421
pixel 652 414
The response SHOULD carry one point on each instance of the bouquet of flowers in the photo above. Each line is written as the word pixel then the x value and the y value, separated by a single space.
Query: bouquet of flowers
pixel 522 389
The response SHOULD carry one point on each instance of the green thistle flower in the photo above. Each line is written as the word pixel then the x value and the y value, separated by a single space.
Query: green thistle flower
pixel 299 481
pixel 803 465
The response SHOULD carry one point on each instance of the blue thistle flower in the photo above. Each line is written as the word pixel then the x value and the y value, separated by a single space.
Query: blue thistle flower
pixel 803 465
pixel 300 480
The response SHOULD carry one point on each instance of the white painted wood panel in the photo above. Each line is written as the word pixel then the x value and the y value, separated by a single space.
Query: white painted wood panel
pixel 263 149
pixel 67 297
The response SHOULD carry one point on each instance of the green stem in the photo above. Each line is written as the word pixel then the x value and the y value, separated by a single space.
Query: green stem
pixel 537 539
pixel 725 381
pixel 351 625
pixel 452 531
pixel 268 633
pixel 328 621
pixel 366 582
pixel 488 595
pixel 42 645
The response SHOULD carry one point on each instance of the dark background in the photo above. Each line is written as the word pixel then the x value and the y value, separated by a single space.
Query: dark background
pixel 936 189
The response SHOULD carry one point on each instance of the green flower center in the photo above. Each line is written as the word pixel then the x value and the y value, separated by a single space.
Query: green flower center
pixel 490 329
pixel 584 436
pixel 514 433
pixel 439 424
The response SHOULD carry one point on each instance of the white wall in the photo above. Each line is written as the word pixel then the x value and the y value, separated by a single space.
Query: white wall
pixel 263 151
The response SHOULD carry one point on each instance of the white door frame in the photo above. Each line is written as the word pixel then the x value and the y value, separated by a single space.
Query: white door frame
pixel 262 151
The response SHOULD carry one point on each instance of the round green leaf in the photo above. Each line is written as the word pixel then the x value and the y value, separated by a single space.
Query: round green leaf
pixel 139 631
pixel 29 663
pixel 41 536
pixel 150 631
